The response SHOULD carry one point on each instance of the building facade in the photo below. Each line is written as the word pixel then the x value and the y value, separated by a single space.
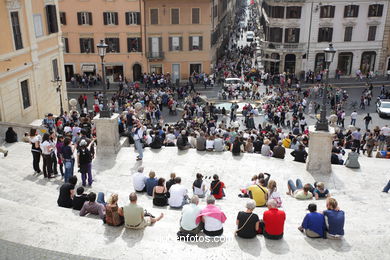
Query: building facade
pixel 30 59
pixel 297 32
pixel 144 36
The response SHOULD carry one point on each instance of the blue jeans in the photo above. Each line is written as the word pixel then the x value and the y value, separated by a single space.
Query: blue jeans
pixel 293 187
pixel 139 147
pixel 387 188
pixel 100 198
pixel 68 170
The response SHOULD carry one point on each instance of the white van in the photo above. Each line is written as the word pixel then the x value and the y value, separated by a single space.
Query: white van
pixel 250 36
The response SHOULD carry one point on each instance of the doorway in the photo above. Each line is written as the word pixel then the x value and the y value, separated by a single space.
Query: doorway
pixel 137 72
pixel 69 72
pixel 289 63
pixel 156 68
pixel 195 68
pixel 175 72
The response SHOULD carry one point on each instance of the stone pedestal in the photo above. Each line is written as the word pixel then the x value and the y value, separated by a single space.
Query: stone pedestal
pixel 320 150
pixel 107 133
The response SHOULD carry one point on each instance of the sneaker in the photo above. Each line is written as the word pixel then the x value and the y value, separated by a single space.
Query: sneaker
pixel 5 154
pixel 139 159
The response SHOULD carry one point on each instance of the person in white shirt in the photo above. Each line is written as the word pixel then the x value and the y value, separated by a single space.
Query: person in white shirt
pixel 210 143
pixel 139 180
pixel 178 194
pixel 138 135
pixel 386 130
pixel 47 147
pixel 188 217
pixel 353 117
pixel 199 187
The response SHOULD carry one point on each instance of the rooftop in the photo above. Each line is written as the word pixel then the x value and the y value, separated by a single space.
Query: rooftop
pixel 33 226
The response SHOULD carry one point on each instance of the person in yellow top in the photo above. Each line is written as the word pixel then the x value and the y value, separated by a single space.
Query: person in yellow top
pixel 258 193
pixel 286 142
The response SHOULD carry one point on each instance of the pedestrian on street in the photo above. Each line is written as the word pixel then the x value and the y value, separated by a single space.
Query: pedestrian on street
pixel 367 120
pixel 353 117
pixel 138 135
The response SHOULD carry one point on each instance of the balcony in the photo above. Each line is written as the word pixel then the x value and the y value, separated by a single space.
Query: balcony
pixel 285 47
pixel 155 56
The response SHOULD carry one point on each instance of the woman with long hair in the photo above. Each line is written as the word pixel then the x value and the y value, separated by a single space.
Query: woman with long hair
pixel 35 141
pixel 273 193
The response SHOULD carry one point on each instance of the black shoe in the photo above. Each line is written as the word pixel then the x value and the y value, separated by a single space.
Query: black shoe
pixel 139 159
pixel 5 154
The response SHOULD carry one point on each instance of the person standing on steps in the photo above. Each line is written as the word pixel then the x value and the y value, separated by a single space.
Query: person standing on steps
pixel 138 135
pixel 35 141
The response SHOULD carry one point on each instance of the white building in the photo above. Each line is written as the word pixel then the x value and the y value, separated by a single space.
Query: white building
pixel 297 32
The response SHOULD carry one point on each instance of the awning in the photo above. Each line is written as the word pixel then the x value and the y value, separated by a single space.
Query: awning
pixel 88 68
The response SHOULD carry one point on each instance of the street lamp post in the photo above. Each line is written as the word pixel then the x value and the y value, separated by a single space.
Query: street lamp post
pixel 322 124
pixel 58 84
pixel 102 49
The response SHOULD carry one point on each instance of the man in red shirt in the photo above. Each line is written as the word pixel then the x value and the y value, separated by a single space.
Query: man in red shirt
pixel 273 221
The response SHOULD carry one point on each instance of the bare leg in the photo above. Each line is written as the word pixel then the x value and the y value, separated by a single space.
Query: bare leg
pixel 153 220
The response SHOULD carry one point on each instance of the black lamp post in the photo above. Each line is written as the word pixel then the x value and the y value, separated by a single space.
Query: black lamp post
pixel 322 124
pixel 102 50
pixel 58 84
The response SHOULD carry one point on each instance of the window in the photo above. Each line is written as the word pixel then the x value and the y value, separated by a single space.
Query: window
pixel 87 45
pixel 51 16
pixel 291 35
pixel 113 45
pixel 16 30
pixel 368 62
pixel 293 12
pixel 66 45
pixel 133 18
pixel 155 47
pixel 319 64
pixel 196 43
pixel 175 16
pixel 54 64
pixel 25 94
pixel 325 34
pixel 134 45
pixel 375 10
pixel 215 11
pixel 63 18
pixel 275 34
pixel 110 18
pixel 153 16
pixel 195 15
pixel 38 27
pixel 327 11
pixel 84 18
pixel 348 34
pixel 371 33
pixel 351 11
pixel 276 11
pixel 175 43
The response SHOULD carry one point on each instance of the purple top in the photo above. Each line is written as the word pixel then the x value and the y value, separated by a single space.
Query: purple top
pixel 93 208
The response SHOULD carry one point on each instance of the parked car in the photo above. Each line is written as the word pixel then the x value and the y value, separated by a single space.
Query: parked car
pixel 383 107
pixel 250 36
pixel 232 83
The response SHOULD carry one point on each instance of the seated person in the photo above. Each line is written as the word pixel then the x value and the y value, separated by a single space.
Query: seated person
pixel 114 214
pixel 26 138
pixel 171 181
pixel 157 141
pixel 384 154
pixel 352 159
pixel 334 219
pixel 182 141
pixel 216 187
pixel 334 158
pixel 11 136
pixel 258 193
pixel 150 183
pixel 248 222
pixel 300 155
pixel 188 217
pixel 177 194
pixel 139 180
pixel 212 218
pixel 273 221
pixel 134 215
pixel 65 198
pixel 273 193
pixel 79 199
pixel 279 151
pixel 160 193
pixel 320 191
pixel 219 145
pixel 92 207
pixel 299 192
pixel 199 187
pixel 314 223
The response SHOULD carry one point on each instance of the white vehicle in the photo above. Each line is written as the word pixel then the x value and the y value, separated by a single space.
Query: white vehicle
pixel 232 83
pixel 383 107
pixel 250 36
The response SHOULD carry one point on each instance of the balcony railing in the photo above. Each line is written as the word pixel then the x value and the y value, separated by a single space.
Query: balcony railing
pixel 284 46
pixel 155 55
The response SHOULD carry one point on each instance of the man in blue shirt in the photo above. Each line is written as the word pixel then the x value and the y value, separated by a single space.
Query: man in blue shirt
pixel 314 223
pixel 334 219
